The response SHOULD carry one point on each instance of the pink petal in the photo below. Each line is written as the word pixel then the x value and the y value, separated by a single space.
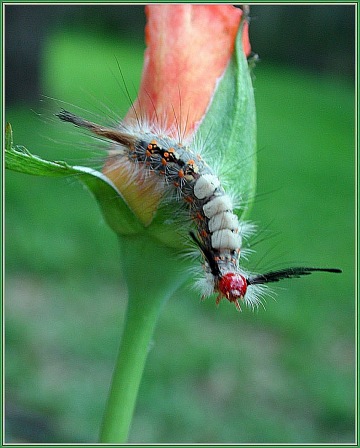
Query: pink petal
pixel 188 49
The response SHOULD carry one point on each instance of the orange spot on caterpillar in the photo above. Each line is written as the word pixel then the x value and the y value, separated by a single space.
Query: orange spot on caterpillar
pixel 199 216
pixel 181 174
pixel 163 162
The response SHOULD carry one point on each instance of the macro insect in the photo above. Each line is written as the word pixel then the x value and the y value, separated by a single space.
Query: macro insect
pixel 218 233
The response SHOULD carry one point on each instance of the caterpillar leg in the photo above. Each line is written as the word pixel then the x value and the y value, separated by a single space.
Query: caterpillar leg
pixel 236 302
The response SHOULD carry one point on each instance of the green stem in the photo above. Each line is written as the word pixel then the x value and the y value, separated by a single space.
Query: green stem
pixel 151 278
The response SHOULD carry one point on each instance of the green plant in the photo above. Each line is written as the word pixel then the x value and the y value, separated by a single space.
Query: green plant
pixel 232 109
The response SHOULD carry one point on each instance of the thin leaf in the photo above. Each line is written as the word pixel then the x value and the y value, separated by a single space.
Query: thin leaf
pixel 115 210
pixel 230 124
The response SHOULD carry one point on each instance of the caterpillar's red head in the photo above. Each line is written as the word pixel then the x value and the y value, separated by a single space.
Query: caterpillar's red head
pixel 232 286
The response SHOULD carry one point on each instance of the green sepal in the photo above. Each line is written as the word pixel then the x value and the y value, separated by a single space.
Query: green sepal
pixel 114 208
pixel 229 126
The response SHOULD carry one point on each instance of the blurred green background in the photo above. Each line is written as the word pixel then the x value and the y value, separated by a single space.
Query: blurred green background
pixel 281 375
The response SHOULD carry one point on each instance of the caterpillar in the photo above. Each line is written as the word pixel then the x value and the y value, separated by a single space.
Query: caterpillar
pixel 190 179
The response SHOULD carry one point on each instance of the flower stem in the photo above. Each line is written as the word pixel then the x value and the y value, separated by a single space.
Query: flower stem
pixel 152 276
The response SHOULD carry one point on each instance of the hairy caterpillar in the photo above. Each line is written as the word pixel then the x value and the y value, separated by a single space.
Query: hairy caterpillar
pixel 218 230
